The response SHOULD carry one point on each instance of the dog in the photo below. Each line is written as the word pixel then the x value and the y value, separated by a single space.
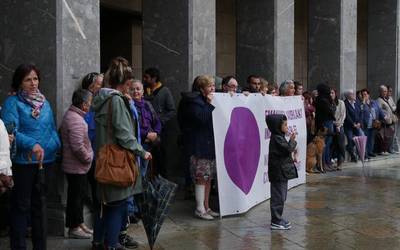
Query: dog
pixel 314 152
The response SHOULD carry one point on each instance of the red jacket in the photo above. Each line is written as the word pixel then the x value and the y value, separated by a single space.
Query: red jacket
pixel 77 150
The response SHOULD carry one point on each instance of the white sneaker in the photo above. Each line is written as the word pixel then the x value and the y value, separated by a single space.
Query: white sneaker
pixel 212 213
pixel 203 216
pixel 78 233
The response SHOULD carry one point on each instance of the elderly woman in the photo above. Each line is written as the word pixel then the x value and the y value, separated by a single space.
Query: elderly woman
pixel 388 127
pixel 372 120
pixel 106 104
pixel 37 143
pixel 352 122
pixel 77 158
pixel 150 125
pixel 198 115
pixel 287 88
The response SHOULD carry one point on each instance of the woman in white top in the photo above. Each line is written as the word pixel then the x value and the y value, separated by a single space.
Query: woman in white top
pixel 5 161
pixel 339 137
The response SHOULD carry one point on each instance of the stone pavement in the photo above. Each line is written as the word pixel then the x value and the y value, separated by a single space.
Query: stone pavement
pixel 351 209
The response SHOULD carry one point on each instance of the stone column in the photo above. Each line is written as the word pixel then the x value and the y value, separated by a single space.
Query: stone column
pixel 332 44
pixel 62 38
pixel 179 39
pixel 265 39
pixel 383 45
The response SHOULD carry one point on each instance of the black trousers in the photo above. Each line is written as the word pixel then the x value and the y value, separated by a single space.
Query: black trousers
pixel 27 200
pixel 93 185
pixel 278 198
pixel 76 194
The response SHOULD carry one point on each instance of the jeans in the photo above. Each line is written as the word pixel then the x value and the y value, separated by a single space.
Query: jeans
pixel 338 145
pixel 109 220
pixel 26 202
pixel 326 155
pixel 76 193
pixel 277 202
pixel 370 133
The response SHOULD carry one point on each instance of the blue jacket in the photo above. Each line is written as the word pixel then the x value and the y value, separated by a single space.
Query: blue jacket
pixel 31 131
pixel 353 115
pixel 371 112
pixel 89 118
pixel 197 114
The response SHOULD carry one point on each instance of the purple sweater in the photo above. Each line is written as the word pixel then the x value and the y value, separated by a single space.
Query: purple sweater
pixel 148 119
pixel 77 150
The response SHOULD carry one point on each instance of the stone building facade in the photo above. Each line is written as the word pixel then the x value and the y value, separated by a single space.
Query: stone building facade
pixel 352 44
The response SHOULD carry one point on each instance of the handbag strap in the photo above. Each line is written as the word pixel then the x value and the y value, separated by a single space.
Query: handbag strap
pixel 109 121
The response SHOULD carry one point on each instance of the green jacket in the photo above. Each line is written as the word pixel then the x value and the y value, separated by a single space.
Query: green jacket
pixel 123 128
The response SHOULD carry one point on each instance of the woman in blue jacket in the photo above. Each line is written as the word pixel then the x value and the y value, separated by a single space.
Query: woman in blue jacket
pixel 37 142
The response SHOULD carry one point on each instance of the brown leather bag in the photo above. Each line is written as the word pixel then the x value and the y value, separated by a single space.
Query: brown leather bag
pixel 115 165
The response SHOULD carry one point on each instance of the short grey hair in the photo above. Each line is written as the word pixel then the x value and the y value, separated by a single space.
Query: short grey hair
pixel 284 86
pixel 80 96
pixel 347 93
pixel 382 88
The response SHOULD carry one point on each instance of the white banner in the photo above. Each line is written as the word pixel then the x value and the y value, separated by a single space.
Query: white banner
pixel 241 146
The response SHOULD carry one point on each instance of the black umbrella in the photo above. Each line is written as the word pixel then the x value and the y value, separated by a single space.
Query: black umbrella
pixel 40 187
pixel 156 199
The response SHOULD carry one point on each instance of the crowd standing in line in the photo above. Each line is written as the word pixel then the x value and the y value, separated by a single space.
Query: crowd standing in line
pixel 117 108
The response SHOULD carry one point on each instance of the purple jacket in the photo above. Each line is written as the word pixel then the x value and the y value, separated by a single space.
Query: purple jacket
pixel 148 119
pixel 77 150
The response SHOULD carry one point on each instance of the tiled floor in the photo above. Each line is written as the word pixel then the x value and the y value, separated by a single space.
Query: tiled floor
pixel 351 209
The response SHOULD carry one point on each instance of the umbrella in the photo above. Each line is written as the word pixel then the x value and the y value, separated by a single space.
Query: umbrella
pixel 40 186
pixel 361 143
pixel 156 199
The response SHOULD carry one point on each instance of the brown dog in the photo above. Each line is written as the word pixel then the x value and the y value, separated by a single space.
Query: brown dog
pixel 314 152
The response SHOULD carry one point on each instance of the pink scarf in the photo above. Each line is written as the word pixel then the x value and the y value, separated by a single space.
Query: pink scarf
pixel 36 100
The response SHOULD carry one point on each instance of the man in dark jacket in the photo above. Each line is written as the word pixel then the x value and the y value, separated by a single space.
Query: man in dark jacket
pixel 353 121
pixel 281 168
pixel 164 105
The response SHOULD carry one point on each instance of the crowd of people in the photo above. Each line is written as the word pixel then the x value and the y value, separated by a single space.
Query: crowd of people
pixel 115 108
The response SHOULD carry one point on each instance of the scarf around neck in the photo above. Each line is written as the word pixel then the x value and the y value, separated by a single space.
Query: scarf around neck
pixel 35 100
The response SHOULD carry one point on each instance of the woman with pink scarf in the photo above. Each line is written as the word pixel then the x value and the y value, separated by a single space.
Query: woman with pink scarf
pixel 36 144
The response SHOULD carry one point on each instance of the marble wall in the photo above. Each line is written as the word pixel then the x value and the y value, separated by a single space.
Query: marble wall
pixel 332 43
pixel 382 44
pixel 265 39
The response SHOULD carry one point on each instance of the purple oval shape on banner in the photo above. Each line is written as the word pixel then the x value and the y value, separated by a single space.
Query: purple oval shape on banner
pixel 242 148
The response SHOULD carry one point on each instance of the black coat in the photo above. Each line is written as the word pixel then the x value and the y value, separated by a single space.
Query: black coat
pixel 324 108
pixel 195 120
pixel 280 162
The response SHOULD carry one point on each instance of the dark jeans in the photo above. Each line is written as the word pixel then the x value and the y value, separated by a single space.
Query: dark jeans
pixel 326 155
pixel 338 148
pixel 27 201
pixel 278 198
pixel 5 210
pixel 370 133
pixel 76 194
pixel 109 221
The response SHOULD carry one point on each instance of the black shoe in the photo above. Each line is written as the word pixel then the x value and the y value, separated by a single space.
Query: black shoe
pixel 372 155
pixel 97 246
pixel 127 241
